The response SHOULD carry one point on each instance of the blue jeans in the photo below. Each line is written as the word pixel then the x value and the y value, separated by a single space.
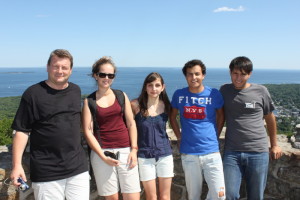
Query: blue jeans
pixel 251 166
pixel 208 166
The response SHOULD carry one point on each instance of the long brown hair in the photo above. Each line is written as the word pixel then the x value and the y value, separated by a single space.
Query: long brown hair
pixel 143 98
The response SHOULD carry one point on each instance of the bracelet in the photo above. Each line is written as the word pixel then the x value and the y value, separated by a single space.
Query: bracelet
pixel 135 148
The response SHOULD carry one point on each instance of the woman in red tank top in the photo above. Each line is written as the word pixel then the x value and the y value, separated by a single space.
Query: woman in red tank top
pixel 114 144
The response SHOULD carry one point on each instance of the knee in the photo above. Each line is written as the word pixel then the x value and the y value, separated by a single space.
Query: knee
pixel 111 198
pixel 151 196
pixel 230 195
pixel 221 193
pixel 164 197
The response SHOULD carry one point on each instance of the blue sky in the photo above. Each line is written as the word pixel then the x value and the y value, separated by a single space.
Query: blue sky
pixel 155 33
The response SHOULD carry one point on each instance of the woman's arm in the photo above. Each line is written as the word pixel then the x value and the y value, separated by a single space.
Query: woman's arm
pixel 131 126
pixel 135 106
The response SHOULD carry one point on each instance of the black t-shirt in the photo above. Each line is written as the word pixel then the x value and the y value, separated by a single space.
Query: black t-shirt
pixel 53 119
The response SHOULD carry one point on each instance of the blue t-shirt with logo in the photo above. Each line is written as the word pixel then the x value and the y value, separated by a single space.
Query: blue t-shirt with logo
pixel 198 119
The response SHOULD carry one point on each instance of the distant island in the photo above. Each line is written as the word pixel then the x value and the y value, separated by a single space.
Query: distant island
pixel 16 72
pixel 286 98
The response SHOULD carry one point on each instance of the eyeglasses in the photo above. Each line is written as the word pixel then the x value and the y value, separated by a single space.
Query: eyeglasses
pixel 103 75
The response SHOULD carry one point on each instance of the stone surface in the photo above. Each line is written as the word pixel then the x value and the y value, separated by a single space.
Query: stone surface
pixel 283 178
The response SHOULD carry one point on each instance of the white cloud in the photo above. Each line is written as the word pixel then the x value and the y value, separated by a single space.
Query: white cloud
pixel 226 9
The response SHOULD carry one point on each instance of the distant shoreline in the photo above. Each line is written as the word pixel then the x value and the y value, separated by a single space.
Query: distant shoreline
pixel 16 72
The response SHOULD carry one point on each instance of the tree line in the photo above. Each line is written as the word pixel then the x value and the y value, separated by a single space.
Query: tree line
pixel 287 96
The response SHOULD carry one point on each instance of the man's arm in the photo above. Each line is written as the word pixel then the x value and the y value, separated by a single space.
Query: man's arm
pixel 220 118
pixel 275 150
pixel 174 123
pixel 19 143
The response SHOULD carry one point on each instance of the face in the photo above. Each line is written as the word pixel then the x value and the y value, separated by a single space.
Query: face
pixel 155 88
pixel 59 71
pixel 105 82
pixel 239 79
pixel 194 78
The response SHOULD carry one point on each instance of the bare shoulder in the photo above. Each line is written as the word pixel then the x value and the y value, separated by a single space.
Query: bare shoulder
pixel 134 105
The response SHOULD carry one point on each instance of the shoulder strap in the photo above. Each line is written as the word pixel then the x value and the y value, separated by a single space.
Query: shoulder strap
pixel 92 105
pixel 121 98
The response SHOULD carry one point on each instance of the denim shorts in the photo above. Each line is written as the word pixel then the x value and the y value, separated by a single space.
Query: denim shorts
pixel 110 179
pixel 149 168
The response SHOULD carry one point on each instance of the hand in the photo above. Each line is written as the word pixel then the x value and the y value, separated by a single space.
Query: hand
pixel 16 173
pixel 110 161
pixel 132 159
pixel 275 152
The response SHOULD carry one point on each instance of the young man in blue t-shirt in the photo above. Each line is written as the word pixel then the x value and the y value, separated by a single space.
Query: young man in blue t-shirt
pixel 201 119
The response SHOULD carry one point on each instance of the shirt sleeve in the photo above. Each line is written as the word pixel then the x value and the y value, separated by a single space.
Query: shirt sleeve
pixel 219 99
pixel 268 102
pixel 24 117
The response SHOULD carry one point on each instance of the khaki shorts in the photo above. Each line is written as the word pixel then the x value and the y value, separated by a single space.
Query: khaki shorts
pixel 76 188
pixel 110 180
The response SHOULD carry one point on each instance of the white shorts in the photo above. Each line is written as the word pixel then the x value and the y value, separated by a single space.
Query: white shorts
pixel 110 179
pixel 74 188
pixel 149 168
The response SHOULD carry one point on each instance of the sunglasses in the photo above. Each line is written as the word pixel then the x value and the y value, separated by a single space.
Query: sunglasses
pixel 103 75
pixel 112 155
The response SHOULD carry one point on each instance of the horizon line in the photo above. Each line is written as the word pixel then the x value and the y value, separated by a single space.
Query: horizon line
pixel 261 68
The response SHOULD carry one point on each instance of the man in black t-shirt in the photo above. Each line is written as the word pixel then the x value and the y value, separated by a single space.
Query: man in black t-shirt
pixel 49 112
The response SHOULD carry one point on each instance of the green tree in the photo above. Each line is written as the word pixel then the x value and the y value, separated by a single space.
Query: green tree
pixel 5 131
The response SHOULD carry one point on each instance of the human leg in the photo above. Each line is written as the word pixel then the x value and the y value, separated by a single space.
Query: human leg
pixel 193 175
pixel 112 197
pixel 165 172
pixel 164 188
pixel 131 196
pixel 147 171
pixel 256 174
pixel 233 173
pixel 213 174
pixel 52 190
pixel 78 187
pixel 128 178
pixel 150 189
pixel 107 183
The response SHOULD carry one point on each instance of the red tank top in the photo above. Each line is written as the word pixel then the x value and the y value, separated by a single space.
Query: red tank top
pixel 113 132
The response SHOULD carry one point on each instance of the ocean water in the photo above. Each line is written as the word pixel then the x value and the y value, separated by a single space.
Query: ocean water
pixel 14 81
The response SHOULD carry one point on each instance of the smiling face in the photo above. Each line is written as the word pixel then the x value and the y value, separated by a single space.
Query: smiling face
pixel 105 82
pixel 194 78
pixel 154 88
pixel 239 79
pixel 59 71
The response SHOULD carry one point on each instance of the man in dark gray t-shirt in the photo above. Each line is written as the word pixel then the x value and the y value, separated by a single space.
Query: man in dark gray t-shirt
pixel 247 107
